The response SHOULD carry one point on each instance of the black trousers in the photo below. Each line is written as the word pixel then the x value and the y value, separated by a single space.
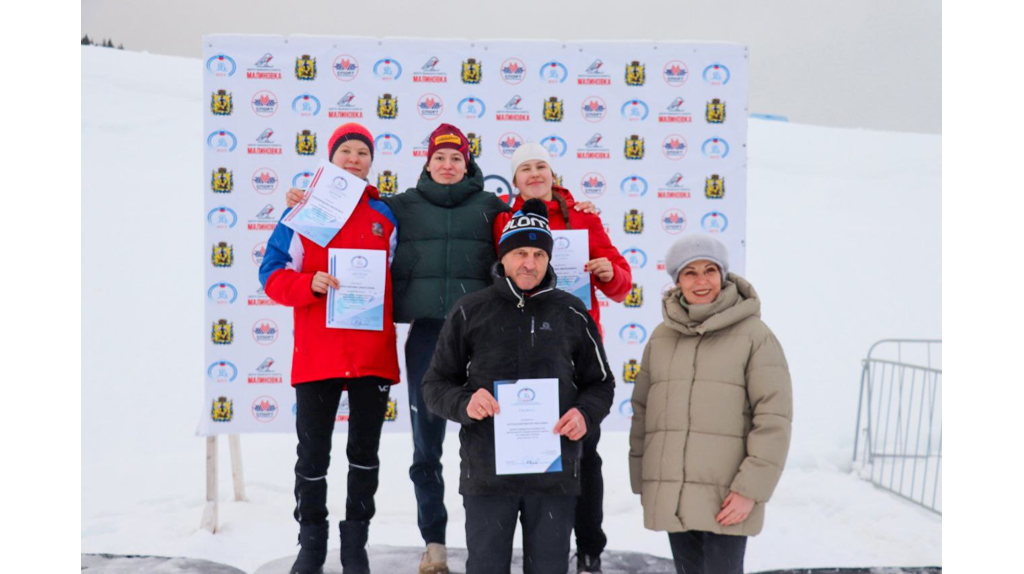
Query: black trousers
pixel 590 538
pixel 316 411
pixel 491 526
pixel 697 552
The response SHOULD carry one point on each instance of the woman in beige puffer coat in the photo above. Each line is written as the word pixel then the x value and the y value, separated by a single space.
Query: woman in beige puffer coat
pixel 712 413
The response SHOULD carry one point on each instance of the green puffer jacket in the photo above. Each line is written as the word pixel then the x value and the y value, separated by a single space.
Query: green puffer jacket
pixel 445 244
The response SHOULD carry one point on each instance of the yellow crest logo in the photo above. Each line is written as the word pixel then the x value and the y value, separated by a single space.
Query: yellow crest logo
pixel 305 68
pixel 223 255
pixel 391 414
pixel 223 332
pixel 305 143
pixel 387 107
pixel 635 299
pixel 715 113
pixel 714 187
pixel 222 410
pixel 634 147
pixel 471 71
pixel 221 104
pixel 387 183
pixel 557 181
pixel 636 74
pixel 474 144
pixel 629 371
pixel 633 222
pixel 554 111
pixel 448 138
pixel 222 181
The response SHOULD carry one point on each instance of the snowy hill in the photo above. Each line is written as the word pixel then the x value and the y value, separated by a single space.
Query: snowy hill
pixel 843 248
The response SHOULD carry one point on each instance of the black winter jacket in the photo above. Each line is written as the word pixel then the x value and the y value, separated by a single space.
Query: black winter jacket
pixel 498 334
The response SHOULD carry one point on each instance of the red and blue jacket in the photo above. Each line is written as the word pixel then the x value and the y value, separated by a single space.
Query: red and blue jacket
pixel 287 274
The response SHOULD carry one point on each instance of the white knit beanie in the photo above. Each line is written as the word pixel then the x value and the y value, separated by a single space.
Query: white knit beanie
pixel 526 152
pixel 693 248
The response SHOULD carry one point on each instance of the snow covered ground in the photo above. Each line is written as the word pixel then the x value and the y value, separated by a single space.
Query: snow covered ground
pixel 843 246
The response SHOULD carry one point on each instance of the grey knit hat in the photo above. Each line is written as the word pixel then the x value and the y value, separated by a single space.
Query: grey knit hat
pixel 692 248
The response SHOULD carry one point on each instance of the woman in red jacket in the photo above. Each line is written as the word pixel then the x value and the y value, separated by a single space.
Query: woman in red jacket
pixel 532 176
pixel 326 361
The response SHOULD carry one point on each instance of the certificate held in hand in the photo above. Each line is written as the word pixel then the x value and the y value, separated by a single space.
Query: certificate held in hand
pixel 524 438
pixel 359 301
pixel 332 196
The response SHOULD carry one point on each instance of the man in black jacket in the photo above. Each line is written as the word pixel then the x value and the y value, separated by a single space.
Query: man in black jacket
pixel 520 327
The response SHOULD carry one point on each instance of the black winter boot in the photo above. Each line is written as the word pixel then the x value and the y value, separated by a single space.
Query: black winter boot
pixel 353 546
pixel 313 540
pixel 588 564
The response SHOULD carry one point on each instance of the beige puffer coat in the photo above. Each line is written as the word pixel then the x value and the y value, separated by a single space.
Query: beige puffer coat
pixel 712 412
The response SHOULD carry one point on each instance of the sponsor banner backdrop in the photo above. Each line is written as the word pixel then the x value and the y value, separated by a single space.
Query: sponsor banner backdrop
pixel 654 134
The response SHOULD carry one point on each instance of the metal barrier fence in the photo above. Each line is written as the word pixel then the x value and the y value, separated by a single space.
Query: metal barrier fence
pixel 899 420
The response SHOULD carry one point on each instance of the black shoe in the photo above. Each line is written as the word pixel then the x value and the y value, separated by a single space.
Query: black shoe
pixel 353 546
pixel 586 564
pixel 313 552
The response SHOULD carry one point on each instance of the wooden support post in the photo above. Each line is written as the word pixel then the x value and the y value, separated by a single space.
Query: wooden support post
pixel 209 521
pixel 235 446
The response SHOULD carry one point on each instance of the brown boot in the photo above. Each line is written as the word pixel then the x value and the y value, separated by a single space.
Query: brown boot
pixel 435 559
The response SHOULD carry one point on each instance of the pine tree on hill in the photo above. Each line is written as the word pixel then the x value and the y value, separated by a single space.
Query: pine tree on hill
pixel 86 41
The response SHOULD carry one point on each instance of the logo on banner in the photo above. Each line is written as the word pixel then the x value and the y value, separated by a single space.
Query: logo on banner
pixel 222 372
pixel 305 68
pixel 222 217
pixel 636 73
pixel 429 73
pixel 674 147
pixel 594 75
pixel 715 112
pixel 420 150
pixel 633 186
pixel 222 293
pixel 222 141
pixel 634 148
pixel 259 251
pixel 675 73
pixel 263 69
pixel 305 143
pixel 222 410
pixel 674 188
pixel 342 413
pixel 554 72
pixel 635 110
pixel 626 409
pixel 509 143
pixel 264 181
pixel 391 414
pixel 264 144
pixel 675 113
pixel 302 179
pixel 673 221
pixel 265 374
pixel 221 66
pixel 387 70
pixel 594 109
pixel 265 332
pixel 636 257
pixel 633 334
pixel 222 181
pixel 306 105
pixel 553 110
pixel 264 409
pixel 387 183
pixel 633 222
pixel 471 71
pixel 593 185
pixel 387 144
pixel 474 144
pixel 260 299
pixel 630 369
pixel 714 186
pixel 430 106
pixel 223 255
pixel 223 332
pixel 715 148
pixel 264 104
pixel 265 220
pixel 345 108
pixel 555 145
pixel 635 298
pixel 512 112
pixel 471 108
pixel 714 222
pixel 345 68
pixel 387 107
pixel 716 75
pixel 513 71
pixel 594 149
pixel 221 104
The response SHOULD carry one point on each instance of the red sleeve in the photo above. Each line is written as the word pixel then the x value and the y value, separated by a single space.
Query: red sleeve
pixel 499 223
pixel 601 246
pixel 291 288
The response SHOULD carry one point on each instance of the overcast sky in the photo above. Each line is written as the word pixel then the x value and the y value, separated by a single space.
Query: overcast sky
pixel 872 64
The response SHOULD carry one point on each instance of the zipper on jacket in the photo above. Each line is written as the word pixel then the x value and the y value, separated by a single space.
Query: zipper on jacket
pixel 533 338
pixel 447 260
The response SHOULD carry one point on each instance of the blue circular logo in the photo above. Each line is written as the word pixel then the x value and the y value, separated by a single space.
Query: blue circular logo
pixel 306 105
pixel 555 145
pixel 387 69
pixel 387 144
pixel 472 108
pixel 554 72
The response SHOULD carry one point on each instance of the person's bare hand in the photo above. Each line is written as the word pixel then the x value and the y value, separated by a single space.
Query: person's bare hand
pixel 735 509
pixel 321 281
pixel 294 196
pixel 586 206
pixel 602 268
pixel 482 405
pixel 572 425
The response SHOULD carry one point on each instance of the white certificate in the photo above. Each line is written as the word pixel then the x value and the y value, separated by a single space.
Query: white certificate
pixel 329 202
pixel 359 303
pixel 524 441
pixel 571 253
